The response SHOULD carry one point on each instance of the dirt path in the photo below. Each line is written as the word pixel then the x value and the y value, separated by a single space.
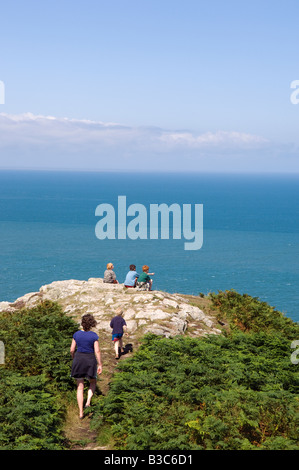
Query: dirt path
pixel 78 431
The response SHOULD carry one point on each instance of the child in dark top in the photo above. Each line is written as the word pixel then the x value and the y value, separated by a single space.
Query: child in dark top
pixel 119 326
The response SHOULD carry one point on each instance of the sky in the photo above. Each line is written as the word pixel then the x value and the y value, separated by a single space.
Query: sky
pixel 163 85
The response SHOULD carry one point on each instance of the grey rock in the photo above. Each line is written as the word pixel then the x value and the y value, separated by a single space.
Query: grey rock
pixel 157 312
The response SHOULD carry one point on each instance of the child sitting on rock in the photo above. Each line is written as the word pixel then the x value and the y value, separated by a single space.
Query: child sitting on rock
pixel 144 282
pixel 131 277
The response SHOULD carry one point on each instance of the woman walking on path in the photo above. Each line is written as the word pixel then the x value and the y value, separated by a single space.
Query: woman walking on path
pixel 86 359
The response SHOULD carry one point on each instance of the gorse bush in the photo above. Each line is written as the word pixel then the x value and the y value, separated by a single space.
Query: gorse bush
pixel 35 374
pixel 230 392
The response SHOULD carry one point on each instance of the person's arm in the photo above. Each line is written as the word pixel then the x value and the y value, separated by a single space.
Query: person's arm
pixel 98 356
pixel 73 348
pixel 125 329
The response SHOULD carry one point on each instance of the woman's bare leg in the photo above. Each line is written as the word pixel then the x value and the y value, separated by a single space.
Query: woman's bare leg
pixel 80 391
pixel 91 390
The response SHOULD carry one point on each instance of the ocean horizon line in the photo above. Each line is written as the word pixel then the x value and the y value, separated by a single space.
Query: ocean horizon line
pixel 151 171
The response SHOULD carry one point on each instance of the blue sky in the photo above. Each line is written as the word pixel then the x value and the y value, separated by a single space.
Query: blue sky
pixel 194 85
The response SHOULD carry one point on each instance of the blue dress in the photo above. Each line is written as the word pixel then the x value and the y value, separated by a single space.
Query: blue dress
pixel 84 363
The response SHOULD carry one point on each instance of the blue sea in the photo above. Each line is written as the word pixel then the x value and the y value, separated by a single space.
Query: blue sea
pixel 250 232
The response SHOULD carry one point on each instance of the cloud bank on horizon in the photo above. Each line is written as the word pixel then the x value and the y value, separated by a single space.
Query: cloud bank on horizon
pixel 31 141
pixel 172 86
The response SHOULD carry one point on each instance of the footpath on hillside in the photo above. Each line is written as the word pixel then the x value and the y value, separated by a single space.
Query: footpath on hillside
pixel 157 312
pixel 77 431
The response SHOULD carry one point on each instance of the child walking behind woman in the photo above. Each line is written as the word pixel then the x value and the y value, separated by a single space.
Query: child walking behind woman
pixel 119 326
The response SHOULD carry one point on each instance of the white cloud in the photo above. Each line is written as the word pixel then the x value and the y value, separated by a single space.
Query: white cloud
pixel 212 139
pixel 37 141
pixel 38 129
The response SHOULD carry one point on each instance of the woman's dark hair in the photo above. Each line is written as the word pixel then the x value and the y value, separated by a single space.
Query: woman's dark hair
pixel 88 321
pixel 132 267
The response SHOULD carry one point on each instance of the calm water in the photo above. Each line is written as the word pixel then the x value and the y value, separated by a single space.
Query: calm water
pixel 251 232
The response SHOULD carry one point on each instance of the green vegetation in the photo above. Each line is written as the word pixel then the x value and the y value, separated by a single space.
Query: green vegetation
pixel 238 390
pixel 234 391
pixel 249 314
pixel 35 378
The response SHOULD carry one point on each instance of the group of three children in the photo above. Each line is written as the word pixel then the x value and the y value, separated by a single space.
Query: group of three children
pixel 133 279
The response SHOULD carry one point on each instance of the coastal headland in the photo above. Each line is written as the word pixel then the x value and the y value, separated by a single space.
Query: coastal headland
pixel 156 312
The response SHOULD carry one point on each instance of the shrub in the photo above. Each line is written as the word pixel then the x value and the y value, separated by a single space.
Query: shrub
pixel 37 341
pixel 237 392
pixel 35 375
pixel 247 313
pixel 30 415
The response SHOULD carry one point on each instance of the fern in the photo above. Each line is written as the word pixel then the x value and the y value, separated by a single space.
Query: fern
pixel 35 374
pixel 236 392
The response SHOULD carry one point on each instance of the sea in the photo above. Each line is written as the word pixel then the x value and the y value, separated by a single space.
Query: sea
pixel 250 232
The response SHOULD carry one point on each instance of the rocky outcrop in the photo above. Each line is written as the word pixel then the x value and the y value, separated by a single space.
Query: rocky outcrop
pixel 158 312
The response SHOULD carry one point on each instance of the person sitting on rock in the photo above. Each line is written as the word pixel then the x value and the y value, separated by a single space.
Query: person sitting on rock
pixel 119 326
pixel 109 275
pixel 131 277
pixel 144 282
